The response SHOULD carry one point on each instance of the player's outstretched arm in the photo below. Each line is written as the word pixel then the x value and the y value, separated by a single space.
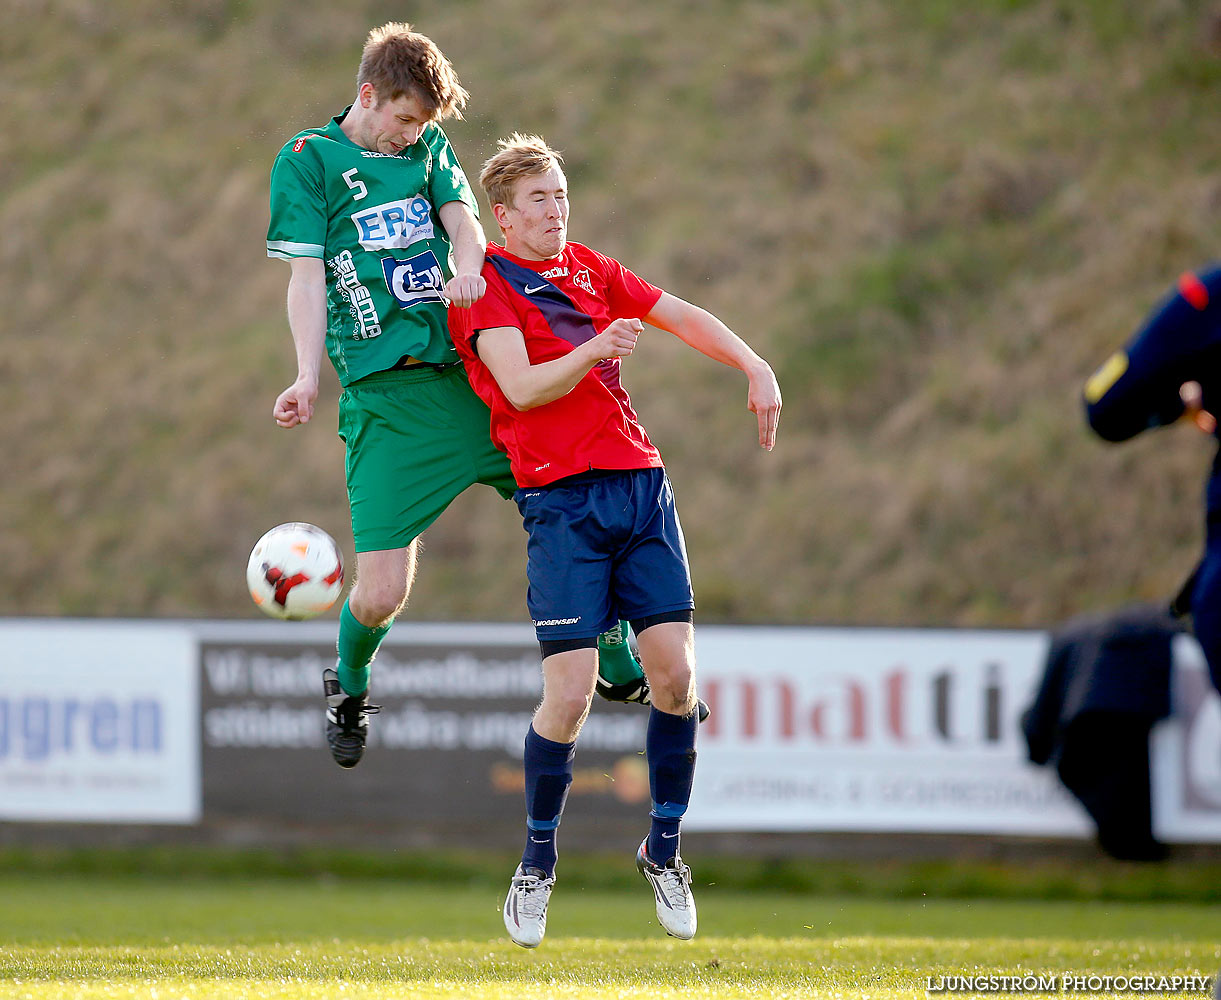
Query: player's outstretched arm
pixel 503 350
pixel 700 329
pixel 467 285
pixel 307 321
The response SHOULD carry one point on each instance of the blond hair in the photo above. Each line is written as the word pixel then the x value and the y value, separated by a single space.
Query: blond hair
pixel 519 156
pixel 398 61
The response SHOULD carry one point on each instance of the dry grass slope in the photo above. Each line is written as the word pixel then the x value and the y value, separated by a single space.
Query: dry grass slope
pixel 933 218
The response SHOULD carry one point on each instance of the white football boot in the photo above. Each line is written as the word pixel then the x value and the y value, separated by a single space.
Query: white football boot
pixel 526 906
pixel 672 886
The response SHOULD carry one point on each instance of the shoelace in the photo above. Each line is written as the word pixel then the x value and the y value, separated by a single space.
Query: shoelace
pixel 673 883
pixel 349 712
pixel 531 895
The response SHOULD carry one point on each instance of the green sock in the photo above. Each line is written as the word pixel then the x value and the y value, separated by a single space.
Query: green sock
pixel 357 645
pixel 616 664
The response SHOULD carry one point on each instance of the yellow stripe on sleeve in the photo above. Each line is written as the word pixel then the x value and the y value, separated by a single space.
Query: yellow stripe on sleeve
pixel 1105 377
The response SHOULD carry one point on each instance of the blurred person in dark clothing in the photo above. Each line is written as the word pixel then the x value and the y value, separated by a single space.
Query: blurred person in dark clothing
pixel 1170 371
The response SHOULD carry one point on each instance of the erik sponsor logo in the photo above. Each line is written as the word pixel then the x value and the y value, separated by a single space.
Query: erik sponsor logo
pixel 414 280
pixel 360 302
pixel 395 225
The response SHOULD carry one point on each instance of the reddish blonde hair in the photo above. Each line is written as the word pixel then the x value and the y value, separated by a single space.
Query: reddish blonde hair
pixel 398 61
pixel 519 156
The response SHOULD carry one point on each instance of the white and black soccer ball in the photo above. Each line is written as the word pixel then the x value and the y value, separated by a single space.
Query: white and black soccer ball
pixel 295 571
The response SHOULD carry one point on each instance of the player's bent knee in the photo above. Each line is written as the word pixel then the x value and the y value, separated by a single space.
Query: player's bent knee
pixel 373 605
pixel 673 691
pixel 571 707
pixel 560 718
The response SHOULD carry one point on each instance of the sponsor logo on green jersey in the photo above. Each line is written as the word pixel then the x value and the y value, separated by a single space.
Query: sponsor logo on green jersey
pixel 414 280
pixel 394 225
pixel 364 311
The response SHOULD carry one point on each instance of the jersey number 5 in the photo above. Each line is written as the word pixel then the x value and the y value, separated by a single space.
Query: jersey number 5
pixel 355 184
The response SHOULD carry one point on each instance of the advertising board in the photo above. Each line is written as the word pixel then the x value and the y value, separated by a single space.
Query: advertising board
pixel 99 722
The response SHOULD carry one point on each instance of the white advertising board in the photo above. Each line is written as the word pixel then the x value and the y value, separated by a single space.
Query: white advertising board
pixel 1185 754
pixel 99 722
pixel 889 730
pixel 812 729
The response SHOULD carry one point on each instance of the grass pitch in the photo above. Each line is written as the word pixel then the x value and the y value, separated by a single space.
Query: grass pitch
pixel 81 935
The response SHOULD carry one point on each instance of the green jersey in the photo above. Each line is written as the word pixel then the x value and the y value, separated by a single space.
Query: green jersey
pixel 372 218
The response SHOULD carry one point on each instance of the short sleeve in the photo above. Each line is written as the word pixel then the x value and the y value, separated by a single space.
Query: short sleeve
pixel 298 208
pixel 447 181
pixel 627 294
pixel 495 308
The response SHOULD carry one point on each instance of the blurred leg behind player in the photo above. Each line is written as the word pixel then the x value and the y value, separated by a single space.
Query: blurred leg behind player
pixel 620 676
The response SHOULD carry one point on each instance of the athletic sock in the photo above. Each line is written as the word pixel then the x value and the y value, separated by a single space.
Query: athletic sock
pixel 669 746
pixel 548 767
pixel 616 664
pixel 357 645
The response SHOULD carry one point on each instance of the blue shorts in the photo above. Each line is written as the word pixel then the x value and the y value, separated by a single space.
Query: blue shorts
pixel 603 546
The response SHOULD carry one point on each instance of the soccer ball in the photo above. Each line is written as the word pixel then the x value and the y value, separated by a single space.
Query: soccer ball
pixel 295 571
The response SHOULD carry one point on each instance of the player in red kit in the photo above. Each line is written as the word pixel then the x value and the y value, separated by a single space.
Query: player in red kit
pixel 543 349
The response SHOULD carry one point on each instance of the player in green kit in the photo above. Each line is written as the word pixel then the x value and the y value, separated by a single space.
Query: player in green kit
pixel 378 222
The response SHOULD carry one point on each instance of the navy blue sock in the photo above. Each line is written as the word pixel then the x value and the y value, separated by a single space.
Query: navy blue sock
pixel 669 746
pixel 548 767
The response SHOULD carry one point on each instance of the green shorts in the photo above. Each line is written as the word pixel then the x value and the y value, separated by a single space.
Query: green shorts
pixel 415 439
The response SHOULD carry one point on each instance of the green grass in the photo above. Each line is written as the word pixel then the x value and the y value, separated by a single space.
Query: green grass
pixel 85 936
pixel 1042 877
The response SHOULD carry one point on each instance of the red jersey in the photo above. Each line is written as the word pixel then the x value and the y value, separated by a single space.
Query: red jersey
pixel 558 304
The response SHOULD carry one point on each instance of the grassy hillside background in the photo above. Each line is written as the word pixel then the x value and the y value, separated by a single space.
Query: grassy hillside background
pixel 935 219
